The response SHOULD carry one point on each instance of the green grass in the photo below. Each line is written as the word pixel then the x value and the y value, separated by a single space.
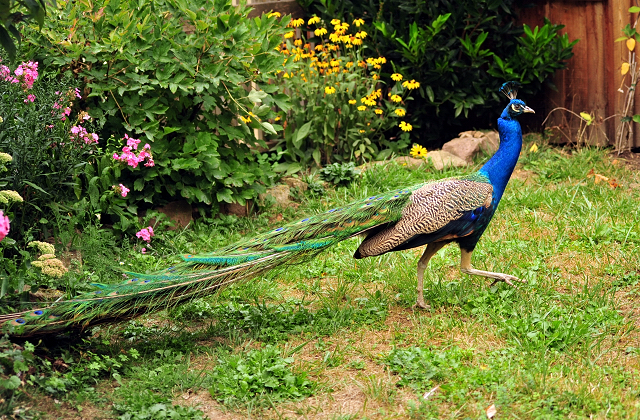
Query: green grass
pixel 339 336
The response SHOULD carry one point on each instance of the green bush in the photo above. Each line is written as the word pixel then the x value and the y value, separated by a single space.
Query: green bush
pixel 459 51
pixel 180 76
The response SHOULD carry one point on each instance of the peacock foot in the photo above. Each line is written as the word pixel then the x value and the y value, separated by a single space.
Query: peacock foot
pixel 420 304
pixel 507 278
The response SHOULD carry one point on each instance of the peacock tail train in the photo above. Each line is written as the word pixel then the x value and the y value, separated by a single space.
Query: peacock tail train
pixel 203 274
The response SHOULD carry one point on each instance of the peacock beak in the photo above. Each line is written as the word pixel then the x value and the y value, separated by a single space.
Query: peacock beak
pixel 529 110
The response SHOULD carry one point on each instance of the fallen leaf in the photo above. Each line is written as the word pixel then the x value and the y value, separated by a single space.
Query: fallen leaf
pixel 613 183
pixel 430 393
pixel 491 411
pixel 599 178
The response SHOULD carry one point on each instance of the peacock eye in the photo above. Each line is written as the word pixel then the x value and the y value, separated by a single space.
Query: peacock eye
pixel 516 108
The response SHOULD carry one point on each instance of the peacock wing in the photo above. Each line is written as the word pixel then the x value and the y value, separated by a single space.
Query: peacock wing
pixel 429 211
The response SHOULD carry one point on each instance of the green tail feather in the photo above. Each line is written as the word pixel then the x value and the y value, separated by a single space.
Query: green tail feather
pixel 203 274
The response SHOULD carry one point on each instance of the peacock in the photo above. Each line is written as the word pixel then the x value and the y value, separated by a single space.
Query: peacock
pixel 433 213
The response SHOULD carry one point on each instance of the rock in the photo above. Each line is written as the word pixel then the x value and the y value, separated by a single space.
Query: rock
pixel 471 143
pixel 463 147
pixel 280 193
pixel 179 212
pixel 412 163
pixel 490 142
pixel 441 159
pixel 295 183
pixel 237 209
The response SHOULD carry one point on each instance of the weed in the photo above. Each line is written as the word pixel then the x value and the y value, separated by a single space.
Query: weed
pixel 259 377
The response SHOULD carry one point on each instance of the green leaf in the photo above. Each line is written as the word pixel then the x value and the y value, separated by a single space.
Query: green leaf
pixel 634 9
pixel 301 133
pixel 268 127
pixel 256 96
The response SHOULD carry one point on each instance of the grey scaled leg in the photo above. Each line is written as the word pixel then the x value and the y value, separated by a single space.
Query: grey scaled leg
pixel 429 252
pixel 465 267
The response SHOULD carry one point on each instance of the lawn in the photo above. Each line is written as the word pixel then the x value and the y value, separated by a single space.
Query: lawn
pixel 338 338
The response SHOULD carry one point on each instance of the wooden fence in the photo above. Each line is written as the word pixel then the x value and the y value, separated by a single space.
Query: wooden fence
pixel 593 80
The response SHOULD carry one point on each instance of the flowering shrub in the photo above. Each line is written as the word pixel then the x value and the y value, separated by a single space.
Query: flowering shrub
pixel 145 234
pixel 4 225
pixel 174 74
pixel 346 111
pixel 49 147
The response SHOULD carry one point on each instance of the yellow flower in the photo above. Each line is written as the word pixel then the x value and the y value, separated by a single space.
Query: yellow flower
pixel 358 22
pixel 418 151
pixel 297 22
pixel 319 47
pixel 400 112
pixel 289 35
pixel 334 37
pixel 344 26
pixel 320 31
pixel 534 148
pixel 362 108
pixel 352 101
pixel 278 118
pixel 334 63
pixel 349 64
pixel 246 120
pixel 405 126
pixel 396 76
pixel 357 42
pixel 276 14
pixel 376 77
pixel 313 20
pixel 411 84
pixel 382 60
pixel 378 111
pixel 396 98
pixel 335 22
pixel 361 35
pixel 297 42
pixel 362 131
pixel 286 75
pixel 368 101
pixel 362 64
pixel 329 90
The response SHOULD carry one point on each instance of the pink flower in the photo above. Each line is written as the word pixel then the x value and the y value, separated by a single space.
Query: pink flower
pixel 4 225
pixel 128 153
pixel 143 250
pixel 145 234
pixel 77 92
pixel 30 98
pixel 124 190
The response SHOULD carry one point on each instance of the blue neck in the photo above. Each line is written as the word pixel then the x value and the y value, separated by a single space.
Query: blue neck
pixel 499 168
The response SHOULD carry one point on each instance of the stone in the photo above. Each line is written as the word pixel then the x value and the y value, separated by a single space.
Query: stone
pixel 441 159
pixel 412 163
pixel 237 209
pixel 179 212
pixel 280 193
pixel 469 144
pixel 490 142
pixel 295 183
pixel 463 147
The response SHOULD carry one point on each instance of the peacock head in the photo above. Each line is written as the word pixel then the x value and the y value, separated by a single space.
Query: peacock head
pixel 516 106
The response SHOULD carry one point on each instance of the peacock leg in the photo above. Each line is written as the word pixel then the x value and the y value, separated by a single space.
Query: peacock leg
pixel 429 252
pixel 465 267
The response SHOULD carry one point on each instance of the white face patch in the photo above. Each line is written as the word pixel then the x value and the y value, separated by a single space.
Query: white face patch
pixel 516 108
